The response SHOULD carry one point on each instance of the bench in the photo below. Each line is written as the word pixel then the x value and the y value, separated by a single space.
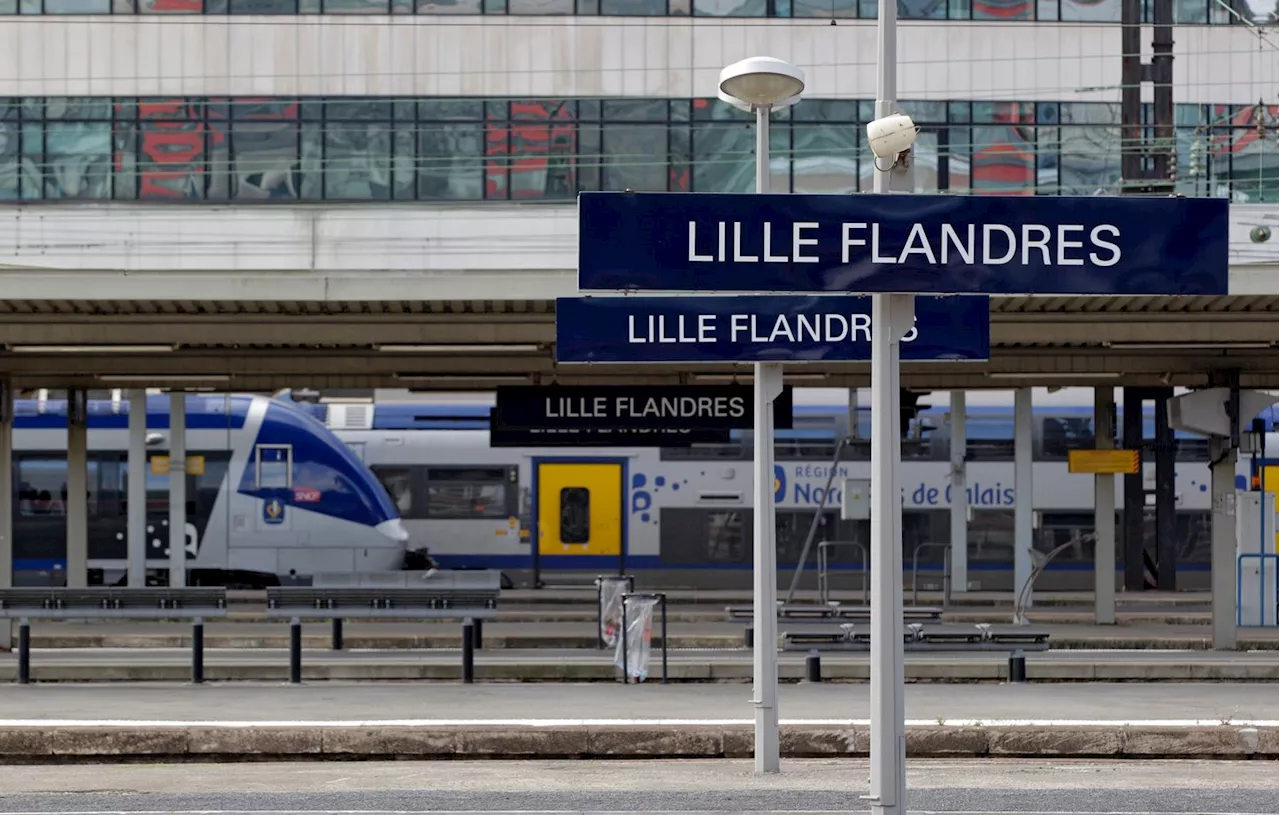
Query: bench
pixel 152 603
pixel 471 596
pixel 112 603
pixel 834 612
pixel 921 637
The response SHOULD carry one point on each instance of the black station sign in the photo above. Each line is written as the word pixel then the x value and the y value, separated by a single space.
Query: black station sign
pixel 503 435
pixel 654 408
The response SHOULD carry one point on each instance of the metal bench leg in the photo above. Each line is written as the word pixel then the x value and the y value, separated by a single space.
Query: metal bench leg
pixel 24 652
pixel 468 652
pixel 295 651
pixel 337 633
pixel 197 651
pixel 813 666
pixel 1017 666
pixel 479 633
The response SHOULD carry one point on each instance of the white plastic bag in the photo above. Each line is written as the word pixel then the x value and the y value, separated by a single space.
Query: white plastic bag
pixel 611 591
pixel 638 639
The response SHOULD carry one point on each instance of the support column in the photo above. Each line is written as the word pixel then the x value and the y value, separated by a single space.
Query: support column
pixel 1023 521
pixel 1222 486
pixel 1104 512
pixel 768 385
pixel 137 488
pixel 1135 496
pixel 1166 548
pixel 76 500
pixel 177 489
pixel 959 497
pixel 6 503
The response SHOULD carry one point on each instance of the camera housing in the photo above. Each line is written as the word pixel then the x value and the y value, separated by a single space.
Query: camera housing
pixel 891 136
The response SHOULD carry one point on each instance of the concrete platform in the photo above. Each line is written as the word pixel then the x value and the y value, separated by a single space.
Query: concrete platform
pixel 358 721
pixel 581 665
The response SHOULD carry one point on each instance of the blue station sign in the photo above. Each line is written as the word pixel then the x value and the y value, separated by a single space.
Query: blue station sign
pixel 761 329
pixel 915 244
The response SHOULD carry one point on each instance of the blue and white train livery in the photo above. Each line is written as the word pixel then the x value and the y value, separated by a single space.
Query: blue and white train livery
pixel 682 516
pixel 270 492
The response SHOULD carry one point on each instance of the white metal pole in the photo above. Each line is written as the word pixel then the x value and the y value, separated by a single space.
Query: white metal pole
pixel 6 503
pixel 959 496
pixel 1224 546
pixel 768 384
pixel 177 489
pixel 891 317
pixel 136 535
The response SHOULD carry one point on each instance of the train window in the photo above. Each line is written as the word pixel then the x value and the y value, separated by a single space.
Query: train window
pixel 470 492
pixel 575 515
pixel 398 482
pixel 1060 434
pixel 274 466
pixel 42 487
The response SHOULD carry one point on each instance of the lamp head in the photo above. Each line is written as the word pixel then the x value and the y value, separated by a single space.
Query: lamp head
pixel 761 82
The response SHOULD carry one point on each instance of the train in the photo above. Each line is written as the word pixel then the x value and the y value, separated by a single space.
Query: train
pixel 272 494
pixel 681 516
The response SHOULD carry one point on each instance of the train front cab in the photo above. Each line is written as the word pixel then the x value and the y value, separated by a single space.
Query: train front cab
pixel 579 515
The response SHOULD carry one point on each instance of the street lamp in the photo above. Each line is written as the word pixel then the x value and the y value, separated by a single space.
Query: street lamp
pixel 762 85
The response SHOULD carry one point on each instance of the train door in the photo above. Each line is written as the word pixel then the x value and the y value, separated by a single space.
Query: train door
pixel 273 477
pixel 579 511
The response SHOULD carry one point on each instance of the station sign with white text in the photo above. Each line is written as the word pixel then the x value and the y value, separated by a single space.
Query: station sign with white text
pixel 918 244
pixel 761 329
pixel 614 407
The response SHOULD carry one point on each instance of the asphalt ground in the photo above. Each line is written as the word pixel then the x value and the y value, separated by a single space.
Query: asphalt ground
pixel 991 786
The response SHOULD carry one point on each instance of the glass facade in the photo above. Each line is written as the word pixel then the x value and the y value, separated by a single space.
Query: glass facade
pixel 472 149
pixel 1187 12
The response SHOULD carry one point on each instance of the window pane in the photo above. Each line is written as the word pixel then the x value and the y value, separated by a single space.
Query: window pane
pixel 77 159
pixel 824 9
pixel 170 6
pixel 1003 160
pixel 531 157
pixel 266 159
pixel 9 145
pixel 635 157
pixel 575 515
pixel 466 500
pixel 1091 11
pixel 1003 9
pixel 729 8
pixel 1089 160
pixel 532 7
pixel 357 160
pixel 911 9
pixel 355 7
pixel 77 6
pixel 403 171
pixel 450 166
pixel 633 8
pixel 170 150
pixel 824 158
pixel 723 157
pixel 450 6
pixel 264 7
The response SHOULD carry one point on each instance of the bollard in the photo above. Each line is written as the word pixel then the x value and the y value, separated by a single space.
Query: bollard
pixel 813 666
pixel 468 652
pixel 295 651
pixel 24 652
pixel 479 633
pixel 1017 666
pixel 749 637
pixel 197 651
pixel 337 633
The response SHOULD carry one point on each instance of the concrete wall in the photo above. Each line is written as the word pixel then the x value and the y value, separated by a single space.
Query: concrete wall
pixel 599 57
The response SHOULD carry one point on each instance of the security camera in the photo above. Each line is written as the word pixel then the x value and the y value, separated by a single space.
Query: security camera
pixel 891 136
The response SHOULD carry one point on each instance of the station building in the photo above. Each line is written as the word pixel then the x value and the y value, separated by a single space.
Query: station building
pixel 220 174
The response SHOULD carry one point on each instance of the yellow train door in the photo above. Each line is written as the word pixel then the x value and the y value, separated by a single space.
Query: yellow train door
pixel 579 508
